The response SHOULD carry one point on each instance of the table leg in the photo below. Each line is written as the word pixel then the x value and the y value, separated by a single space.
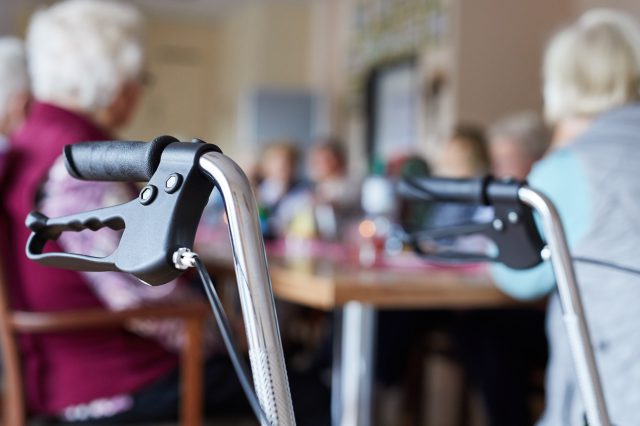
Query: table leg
pixel 353 365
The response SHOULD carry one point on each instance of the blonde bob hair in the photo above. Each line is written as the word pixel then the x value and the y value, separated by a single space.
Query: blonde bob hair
pixel 592 66
pixel 81 52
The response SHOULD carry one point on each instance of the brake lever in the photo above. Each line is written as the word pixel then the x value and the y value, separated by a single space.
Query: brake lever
pixel 513 228
pixel 49 229
pixel 166 212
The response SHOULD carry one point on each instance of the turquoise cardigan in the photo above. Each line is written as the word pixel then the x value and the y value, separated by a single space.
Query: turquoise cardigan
pixel 561 177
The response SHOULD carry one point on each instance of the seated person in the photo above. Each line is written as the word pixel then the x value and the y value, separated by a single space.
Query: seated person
pixel 279 193
pixel 336 197
pixel 327 164
pixel 501 349
pixel 591 71
pixel 464 155
pixel 86 61
pixel 516 142
pixel 14 91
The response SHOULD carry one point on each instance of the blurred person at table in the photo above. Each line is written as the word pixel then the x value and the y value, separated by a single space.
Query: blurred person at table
pixel 336 195
pixel 86 60
pixel 592 72
pixel 516 142
pixel 465 154
pixel 327 166
pixel 14 91
pixel 280 194
pixel 496 348
pixel 501 350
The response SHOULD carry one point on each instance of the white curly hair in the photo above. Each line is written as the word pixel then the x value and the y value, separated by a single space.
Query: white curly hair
pixel 81 52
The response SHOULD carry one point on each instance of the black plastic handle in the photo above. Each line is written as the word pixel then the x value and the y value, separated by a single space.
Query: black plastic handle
pixel 126 161
pixel 153 227
pixel 513 228
pixel 483 191
pixel 445 189
pixel 45 229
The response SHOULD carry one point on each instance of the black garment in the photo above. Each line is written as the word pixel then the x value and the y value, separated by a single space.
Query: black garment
pixel 224 398
pixel 399 334
pixel 499 350
pixel 160 401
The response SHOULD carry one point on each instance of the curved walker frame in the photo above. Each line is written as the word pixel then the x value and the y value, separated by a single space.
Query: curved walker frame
pixel 265 347
pixel 254 286
pixel 572 310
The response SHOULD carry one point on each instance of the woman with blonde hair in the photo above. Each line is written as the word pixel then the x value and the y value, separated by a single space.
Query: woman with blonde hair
pixel 592 74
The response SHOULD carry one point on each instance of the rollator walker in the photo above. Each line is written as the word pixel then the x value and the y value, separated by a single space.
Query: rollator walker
pixel 159 227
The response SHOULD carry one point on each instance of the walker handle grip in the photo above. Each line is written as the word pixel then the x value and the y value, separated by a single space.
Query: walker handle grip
pixel 124 161
pixel 513 229
pixel 445 189
pixel 486 191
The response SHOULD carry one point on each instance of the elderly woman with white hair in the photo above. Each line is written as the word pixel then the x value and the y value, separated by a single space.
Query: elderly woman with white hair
pixel 592 74
pixel 86 59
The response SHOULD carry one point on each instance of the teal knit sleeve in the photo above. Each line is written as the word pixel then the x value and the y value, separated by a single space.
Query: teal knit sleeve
pixel 562 178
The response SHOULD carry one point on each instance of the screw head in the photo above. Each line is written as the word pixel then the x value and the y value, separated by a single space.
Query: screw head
pixel 498 225
pixel 147 194
pixel 545 254
pixel 513 217
pixel 172 183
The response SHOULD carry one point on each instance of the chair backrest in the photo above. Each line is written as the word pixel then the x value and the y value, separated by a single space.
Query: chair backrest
pixel 13 401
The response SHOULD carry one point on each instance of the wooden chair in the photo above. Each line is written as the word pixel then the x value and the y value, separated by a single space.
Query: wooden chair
pixel 13 323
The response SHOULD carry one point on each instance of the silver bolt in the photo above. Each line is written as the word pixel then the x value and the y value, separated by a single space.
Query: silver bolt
pixel 498 225
pixel 171 182
pixel 513 217
pixel 146 194
pixel 545 253
pixel 183 258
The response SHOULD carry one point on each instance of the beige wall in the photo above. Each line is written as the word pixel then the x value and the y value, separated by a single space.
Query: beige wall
pixel 265 44
pixel 178 99
pixel 204 68
pixel 202 71
pixel 328 51
pixel 500 48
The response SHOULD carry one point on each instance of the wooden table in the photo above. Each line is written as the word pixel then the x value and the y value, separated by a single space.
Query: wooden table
pixel 327 284
pixel 355 293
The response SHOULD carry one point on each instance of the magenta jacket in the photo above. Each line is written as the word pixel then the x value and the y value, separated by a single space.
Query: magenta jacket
pixel 63 369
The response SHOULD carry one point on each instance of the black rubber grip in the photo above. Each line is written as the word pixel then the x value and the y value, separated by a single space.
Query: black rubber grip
pixel 445 189
pixel 115 160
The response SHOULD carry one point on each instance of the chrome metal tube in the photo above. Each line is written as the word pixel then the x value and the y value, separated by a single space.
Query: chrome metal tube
pixel 256 296
pixel 357 364
pixel 572 310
